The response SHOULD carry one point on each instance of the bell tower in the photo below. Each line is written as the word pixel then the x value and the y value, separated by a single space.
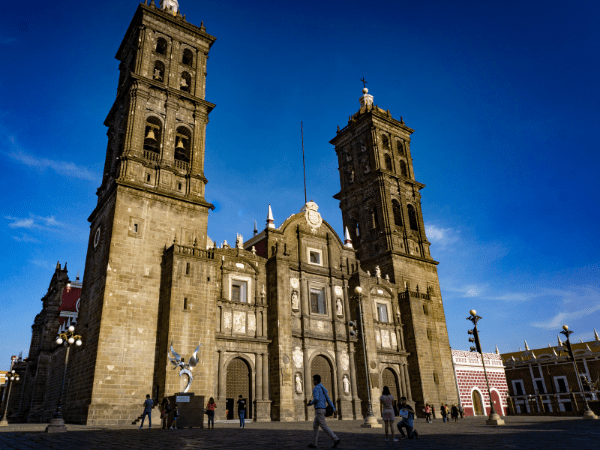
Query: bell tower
pixel 381 208
pixel 152 193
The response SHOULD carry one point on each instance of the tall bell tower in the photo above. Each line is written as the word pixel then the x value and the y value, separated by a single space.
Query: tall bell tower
pixel 152 193
pixel 381 208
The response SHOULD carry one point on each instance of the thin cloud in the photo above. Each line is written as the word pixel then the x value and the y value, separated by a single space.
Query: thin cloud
pixel 441 237
pixel 34 222
pixel 65 168
pixel 565 317
pixel 26 238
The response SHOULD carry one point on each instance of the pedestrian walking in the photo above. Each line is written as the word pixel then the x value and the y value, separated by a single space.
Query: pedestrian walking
pixel 321 400
pixel 461 411
pixel 444 412
pixel 164 414
pixel 241 404
pixel 388 415
pixel 433 411
pixel 454 413
pixel 407 413
pixel 148 404
pixel 210 411
pixel 427 413
pixel 175 417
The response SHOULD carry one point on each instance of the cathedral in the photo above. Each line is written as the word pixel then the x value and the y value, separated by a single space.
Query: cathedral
pixel 260 316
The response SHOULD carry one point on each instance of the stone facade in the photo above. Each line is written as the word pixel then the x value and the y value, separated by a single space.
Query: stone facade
pixel 544 380
pixel 472 387
pixel 271 312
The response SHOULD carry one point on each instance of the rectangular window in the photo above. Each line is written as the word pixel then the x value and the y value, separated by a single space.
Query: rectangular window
pixel 539 385
pixel 382 312
pixel 425 310
pixel 185 303
pixel 561 385
pixel 317 301
pixel 435 378
pixel 179 186
pixel 135 227
pixel 518 387
pixel 148 178
pixel 187 268
pixel 239 291
pixel 315 257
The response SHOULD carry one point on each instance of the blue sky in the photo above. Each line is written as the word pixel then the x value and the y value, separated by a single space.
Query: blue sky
pixel 503 97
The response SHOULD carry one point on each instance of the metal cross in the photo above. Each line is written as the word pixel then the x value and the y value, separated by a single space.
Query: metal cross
pixel 364 82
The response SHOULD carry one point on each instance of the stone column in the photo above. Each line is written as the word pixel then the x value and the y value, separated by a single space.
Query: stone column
pixel 259 377
pixel 265 359
pixel 408 394
pixel 221 377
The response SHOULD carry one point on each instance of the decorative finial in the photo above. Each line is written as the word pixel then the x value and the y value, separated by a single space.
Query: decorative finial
pixel 255 232
pixel 57 265
pixel 587 347
pixel 366 100
pixel 526 346
pixel 533 355
pixel 270 221
pixel 77 277
pixel 347 240
pixel 596 337
pixel 497 352
pixel 554 351
pixel 401 120
pixel 169 5
pixel 560 344
pixel 253 250
pixel 387 277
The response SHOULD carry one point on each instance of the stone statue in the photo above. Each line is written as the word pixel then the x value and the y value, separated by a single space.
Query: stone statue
pixel 339 307
pixel 346 384
pixel 239 241
pixel 298 384
pixel 387 278
pixel 351 175
pixel 157 75
pixel 377 272
pixel 295 301
pixel 368 273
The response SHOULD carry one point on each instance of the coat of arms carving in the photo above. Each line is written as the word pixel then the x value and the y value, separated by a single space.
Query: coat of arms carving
pixel 313 218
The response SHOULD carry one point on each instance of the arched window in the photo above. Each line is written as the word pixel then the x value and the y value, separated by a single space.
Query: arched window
pixel 403 169
pixel 183 139
pixel 374 220
pixel 161 46
pixel 186 82
pixel 397 212
pixel 400 147
pixel 187 58
pixel 159 71
pixel 388 162
pixel 152 135
pixel 412 218
pixel 385 142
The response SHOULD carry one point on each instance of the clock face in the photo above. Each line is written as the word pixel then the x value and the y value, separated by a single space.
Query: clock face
pixel 97 237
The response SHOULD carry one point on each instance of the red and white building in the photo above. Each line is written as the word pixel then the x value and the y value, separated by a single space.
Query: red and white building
pixel 472 388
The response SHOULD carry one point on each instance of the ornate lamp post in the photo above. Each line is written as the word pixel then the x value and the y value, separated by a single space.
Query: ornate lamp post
pixel 494 418
pixel 588 413
pixel 370 420
pixel 11 376
pixel 68 338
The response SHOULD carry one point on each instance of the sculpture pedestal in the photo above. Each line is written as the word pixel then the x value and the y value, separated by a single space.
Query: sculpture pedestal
pixel 191 410
pixel 589 415
pixel 56 426
pixel 371 422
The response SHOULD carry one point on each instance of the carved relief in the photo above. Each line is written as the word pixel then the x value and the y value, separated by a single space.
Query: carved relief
pixel 345 361
pixel 346 383
pixel 378 338
pixel 294 283
pixel 338 291
pixel 298 357
pixel 385 338
pixel 251 323
pixel 239 322
pixel 227 319
pixel 394 340
pixel 339 307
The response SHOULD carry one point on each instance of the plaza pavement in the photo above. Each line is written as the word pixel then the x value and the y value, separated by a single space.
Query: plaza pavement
pixel 470 433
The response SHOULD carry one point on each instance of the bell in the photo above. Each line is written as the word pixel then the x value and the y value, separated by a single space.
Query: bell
pixel 183 82
pixel 150 134
pixel 180 143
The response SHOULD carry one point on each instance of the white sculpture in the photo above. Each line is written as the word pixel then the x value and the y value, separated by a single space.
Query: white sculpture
pixel 377 272
pixel 346 383
pixel 339 307
pixel 239 241
pixel 295 301
pixel 298 384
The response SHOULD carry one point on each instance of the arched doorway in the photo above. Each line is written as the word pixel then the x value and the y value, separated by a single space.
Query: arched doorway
pixel 477 404
pixel 389 379
pixel 238 383
pixel 497 403
pixel 320 366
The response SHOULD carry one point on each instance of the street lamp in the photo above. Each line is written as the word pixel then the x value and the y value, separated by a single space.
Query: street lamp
pixel 494 418
pixel 11 377
pixel 370 420
pixel 588 413
pixel 68 338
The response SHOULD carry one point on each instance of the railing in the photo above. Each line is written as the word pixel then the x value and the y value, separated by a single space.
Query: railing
pixel 549 403
pixel 193 251
pixel 151 156
pixel 181 165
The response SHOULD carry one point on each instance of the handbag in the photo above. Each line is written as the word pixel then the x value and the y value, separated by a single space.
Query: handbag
pixel 328 408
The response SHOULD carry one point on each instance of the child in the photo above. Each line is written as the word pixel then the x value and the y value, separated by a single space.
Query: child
pixel 175 417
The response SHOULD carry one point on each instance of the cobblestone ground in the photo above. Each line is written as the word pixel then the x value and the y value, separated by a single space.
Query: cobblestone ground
pixel 471 433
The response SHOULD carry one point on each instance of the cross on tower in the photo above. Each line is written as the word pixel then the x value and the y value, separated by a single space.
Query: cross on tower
pixel 364 82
